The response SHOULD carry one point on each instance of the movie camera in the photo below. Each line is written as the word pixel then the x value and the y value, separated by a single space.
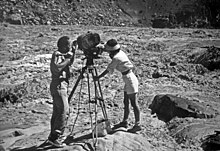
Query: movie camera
pixel 89 44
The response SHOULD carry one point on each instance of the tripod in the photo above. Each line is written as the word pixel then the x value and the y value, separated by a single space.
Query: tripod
pixel 91 69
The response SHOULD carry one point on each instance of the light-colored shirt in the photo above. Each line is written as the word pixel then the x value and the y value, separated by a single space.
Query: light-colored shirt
pixel 120 62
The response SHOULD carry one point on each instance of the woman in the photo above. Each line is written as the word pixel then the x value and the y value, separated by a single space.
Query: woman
pixel 121 63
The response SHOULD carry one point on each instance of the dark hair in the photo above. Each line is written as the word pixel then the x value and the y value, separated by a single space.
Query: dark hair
pixel 112 42
pixel 63 41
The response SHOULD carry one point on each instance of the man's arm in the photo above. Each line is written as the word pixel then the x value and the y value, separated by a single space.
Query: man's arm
pixel 62 64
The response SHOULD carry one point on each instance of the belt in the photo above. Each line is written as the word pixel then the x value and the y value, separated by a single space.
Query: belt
pixel 126 72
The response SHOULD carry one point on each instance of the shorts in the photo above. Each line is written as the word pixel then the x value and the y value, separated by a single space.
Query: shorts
pixel 131 83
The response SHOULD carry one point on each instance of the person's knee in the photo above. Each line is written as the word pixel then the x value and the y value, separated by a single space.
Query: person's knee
pixel 135 106
pixel 126 101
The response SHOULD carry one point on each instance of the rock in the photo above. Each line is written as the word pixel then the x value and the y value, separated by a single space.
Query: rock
pixel 156 74
pixel 156 46
pixel 160 22
pixel 123 141
pixel 1 148
pixel 17 133
pixel 199 32
pixel 118 141
pixel 197 131
pixel 14 19
pixel 11 92
pixel 173 63
pixel 169 106
pixel 184 77
pixel 103 128
pixel 212 142
pixel 210 58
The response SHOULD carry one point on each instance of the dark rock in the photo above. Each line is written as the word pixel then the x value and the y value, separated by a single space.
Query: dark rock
pixel 210 58
pixel 169 106
pixel 11 92
pixel 14 19
pixel 1 148
pixel 17 133
pixel 156 75
pixel 212 142
pixel 38 0
pixel 199 32
pixel 185 77
pixel 173 63
pixel 197 131
pixel 160 22
pixel 40 35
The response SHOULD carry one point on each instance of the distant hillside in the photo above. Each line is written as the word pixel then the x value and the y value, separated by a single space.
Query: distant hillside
pixel 156 13
pixel 174 13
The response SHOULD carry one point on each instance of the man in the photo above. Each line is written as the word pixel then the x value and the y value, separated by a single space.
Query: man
pixel 59 66
pixel 121 63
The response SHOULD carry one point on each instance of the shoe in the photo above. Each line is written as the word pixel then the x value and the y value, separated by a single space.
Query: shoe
pixel 57 143
pixel 135 128
pixel 121 124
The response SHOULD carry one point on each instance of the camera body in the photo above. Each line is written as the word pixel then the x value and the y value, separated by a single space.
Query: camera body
pixel 88 44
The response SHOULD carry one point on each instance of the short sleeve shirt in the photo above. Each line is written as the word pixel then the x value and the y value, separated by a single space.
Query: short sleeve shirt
pixel 120 62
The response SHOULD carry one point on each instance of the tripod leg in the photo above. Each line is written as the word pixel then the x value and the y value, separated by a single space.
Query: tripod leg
pixel 96 124
pixel 90 108
pixel 71 94
pixel 95 129
pixel 77 109
pixel 101 101
pixel 77 82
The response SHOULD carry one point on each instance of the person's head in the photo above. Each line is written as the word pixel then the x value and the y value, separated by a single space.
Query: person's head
pixel 63 44
pixel 112 47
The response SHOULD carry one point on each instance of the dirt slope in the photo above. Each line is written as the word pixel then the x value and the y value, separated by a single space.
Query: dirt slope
pixel 155 13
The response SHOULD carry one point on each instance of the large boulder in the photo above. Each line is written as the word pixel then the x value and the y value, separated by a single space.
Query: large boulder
pixel 118 141
pixel 201 132
pixel 210 58
pixel 169 106
pixel 212 142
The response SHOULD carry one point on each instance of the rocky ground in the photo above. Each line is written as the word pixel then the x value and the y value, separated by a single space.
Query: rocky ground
pixel 141 13
pixel 178 71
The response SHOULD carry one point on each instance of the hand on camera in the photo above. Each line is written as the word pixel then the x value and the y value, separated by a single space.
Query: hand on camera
pixel 69 54
pixel 74 46
pixel 101 46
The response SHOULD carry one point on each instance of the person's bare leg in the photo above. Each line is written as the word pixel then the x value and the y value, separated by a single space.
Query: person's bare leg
pixel 126 107
pixel 134 104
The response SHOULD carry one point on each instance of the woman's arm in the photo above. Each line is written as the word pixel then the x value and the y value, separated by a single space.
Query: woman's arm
pixel 103 74
pixel 96 78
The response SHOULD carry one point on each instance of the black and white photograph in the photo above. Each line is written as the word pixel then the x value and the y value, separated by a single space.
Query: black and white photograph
pixel 110 75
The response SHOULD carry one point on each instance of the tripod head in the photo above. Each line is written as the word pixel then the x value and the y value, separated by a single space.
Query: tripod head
pixel 89 62
pixel 91 54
